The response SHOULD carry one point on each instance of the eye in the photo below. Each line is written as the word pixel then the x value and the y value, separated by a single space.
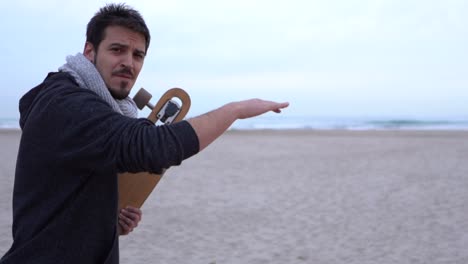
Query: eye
pixel 116 49
pixel 139 56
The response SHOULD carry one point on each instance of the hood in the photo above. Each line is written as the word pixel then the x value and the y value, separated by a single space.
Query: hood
pixel 26 102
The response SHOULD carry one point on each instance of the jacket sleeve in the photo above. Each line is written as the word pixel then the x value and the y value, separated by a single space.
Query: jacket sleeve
pixel 145 147
pixel 89 130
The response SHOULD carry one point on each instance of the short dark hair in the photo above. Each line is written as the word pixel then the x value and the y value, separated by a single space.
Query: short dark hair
pixel 115 15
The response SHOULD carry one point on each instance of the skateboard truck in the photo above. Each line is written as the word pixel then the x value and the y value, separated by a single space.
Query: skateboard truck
pixel 169 112
pixel 166 110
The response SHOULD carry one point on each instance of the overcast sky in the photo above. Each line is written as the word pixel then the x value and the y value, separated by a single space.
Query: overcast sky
pixel 326 57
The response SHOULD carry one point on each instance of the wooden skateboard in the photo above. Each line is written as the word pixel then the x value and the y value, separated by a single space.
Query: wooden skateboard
pixel 134 188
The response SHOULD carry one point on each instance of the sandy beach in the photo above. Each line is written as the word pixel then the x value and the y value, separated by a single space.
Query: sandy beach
pixel 300 196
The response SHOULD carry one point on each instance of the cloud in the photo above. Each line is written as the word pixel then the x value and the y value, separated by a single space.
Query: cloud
pixel 369 49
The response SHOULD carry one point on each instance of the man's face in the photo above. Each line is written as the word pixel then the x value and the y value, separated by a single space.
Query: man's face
pixel 118 59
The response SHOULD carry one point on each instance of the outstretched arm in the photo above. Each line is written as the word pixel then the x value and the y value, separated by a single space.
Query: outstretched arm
pixel 213 124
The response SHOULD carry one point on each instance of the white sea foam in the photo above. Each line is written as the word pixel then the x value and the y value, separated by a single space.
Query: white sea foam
pixel 350 123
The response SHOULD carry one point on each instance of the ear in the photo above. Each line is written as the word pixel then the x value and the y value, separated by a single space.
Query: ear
pixel 89 51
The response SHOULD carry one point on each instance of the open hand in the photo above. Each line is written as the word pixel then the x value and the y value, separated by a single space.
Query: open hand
pixel 255 107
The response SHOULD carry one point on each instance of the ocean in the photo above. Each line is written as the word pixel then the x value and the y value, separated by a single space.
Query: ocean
pixel 329 123
pixel 352 123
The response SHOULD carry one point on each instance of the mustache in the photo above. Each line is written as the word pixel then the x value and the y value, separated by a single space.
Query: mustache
pixel 124 71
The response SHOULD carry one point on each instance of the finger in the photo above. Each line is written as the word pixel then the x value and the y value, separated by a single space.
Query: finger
pixel 128 221
pixel 283 105
pixel 132 216
pixel 124 227
pixel 136 212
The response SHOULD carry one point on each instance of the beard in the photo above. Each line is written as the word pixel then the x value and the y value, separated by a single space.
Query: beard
pixel 121 92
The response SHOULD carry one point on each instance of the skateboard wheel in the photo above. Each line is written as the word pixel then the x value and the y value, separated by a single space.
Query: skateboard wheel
pixel 142 98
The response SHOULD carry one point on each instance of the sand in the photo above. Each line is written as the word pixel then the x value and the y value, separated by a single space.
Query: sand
pixel 300 197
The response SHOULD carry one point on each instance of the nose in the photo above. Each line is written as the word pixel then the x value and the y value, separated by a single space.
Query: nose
pixel 127 61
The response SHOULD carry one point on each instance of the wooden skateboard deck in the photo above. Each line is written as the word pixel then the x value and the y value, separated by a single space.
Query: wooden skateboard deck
pixel 134 188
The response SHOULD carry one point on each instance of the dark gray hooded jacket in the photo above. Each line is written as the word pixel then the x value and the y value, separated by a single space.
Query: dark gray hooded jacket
pixel 66 192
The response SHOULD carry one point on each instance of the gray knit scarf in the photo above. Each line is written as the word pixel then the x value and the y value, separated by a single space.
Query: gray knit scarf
pixel 88 77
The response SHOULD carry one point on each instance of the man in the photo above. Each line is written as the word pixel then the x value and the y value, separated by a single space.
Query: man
pixel 79 129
